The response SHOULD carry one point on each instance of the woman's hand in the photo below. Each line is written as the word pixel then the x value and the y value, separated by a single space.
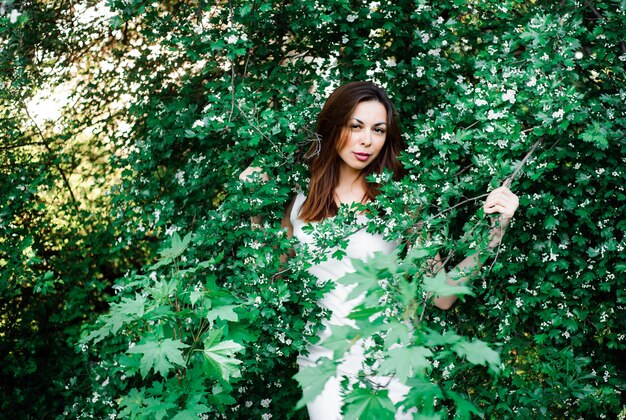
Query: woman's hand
pixel 502 200
pixel 249 172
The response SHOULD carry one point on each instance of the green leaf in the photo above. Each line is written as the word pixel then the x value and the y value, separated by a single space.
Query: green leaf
pixel 159 355
pixel 464 408
pixel 403 362
pixel 222 357
pixel 407 291
pixel 397 333
pixel 364 403
pixel 225 313
pixel 177 247
pixel 312 379
pixel 439 287
pixel 422 394
pixel 342 337
pixel 479 353
pixel 156 408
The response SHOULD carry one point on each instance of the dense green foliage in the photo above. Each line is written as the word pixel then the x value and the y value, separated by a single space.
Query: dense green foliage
pixel 169 101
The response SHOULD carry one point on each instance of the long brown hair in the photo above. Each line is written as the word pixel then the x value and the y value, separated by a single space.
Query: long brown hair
pixel 331 128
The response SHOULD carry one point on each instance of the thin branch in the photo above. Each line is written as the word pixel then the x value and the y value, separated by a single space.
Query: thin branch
pixel 261 132
pixel 16 146
pixel 47 146
pixel 478 197
pixel 507 182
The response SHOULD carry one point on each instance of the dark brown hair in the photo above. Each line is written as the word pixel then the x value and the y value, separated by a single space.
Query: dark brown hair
pixel 331 128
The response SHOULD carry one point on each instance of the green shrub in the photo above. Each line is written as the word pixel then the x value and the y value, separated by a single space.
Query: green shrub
pixel 212 88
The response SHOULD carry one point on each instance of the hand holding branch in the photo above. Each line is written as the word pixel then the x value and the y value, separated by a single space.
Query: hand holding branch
pixel 501 200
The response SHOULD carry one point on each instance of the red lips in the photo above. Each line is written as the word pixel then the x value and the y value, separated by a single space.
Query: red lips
pixel 361 156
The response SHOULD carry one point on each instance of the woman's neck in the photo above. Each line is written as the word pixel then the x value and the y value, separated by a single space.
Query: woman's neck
pixel 351 186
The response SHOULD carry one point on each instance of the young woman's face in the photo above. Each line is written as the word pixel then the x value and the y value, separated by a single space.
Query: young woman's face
pixel 366 133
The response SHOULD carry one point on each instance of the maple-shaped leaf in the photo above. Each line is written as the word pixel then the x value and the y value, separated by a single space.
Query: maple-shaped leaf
pixel 177 247
pixel 423 394
pixel 225 313
pixel 363 403
pixel 156 408
pixel 464 408
pixel 435 338
pixel 340 340
pixel 397 333
pixel 312 379
pixel 407 291
pixel 403 362
pixel 160 355
pixel 439 287
pixel 221 356
pixel 364 280
pixel 479 353
pixel 367 273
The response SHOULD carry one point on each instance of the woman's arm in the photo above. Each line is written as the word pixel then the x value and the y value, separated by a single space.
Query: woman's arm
pixel 501 200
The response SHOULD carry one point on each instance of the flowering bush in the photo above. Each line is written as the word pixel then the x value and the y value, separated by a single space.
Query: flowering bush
pixel 185 95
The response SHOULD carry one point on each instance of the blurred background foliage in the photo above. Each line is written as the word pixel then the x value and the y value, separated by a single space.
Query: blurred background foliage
pixel 124 125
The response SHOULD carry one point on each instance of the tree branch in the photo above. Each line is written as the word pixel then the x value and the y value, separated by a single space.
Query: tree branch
pixel 51 152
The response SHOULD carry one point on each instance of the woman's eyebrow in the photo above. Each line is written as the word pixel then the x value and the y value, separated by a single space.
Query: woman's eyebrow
pixel 375 125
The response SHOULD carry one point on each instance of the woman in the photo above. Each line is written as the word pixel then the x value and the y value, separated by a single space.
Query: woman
pixel 359 136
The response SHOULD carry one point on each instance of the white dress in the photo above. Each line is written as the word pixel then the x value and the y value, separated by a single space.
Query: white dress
pixel 361 245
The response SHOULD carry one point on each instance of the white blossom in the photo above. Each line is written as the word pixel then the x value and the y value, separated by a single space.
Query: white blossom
pixel 509 95
pixel 558 114
pixel 14 15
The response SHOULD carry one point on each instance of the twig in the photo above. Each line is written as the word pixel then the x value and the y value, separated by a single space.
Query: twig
pixel 16 146
pixel 47 146
pixel 455 206
pixel 507 182
pixel 261 132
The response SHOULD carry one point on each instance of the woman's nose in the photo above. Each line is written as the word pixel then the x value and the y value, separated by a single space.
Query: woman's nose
pixel 366 138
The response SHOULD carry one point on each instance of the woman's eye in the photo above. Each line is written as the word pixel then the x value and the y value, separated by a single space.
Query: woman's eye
pixel 380 130
pixel 355 126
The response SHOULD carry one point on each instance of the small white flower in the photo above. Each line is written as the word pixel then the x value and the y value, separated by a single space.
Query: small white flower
pixel 480 102
pixel 557 115
pixel 14 15
pixel 578 55
pixel 232 39
pixel 180 177
pixel 266 416
pixel 351 18
pixel 532 82
pixel 266 403
pixel 509 95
